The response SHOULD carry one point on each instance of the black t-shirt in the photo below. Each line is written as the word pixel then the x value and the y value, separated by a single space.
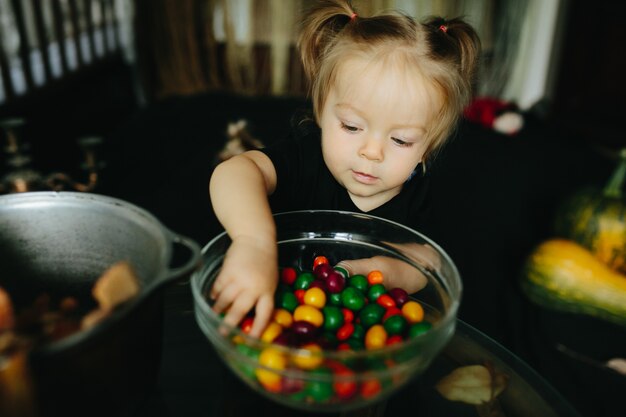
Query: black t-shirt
pixel 305 183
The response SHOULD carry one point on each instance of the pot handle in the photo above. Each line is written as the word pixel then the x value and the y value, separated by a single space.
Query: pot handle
pixel 191 263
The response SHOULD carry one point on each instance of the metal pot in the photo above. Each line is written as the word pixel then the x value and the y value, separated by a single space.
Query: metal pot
pixel 60 243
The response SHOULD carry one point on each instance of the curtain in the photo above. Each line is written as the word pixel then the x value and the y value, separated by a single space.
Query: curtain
pixel 248 46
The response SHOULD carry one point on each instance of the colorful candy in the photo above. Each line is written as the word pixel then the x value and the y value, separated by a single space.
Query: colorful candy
pixel 326 309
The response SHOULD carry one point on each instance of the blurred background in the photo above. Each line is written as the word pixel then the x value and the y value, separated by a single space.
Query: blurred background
pixel 91 63
pixel 134 99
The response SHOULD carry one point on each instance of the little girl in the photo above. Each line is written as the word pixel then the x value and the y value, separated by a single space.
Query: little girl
pixel 387 93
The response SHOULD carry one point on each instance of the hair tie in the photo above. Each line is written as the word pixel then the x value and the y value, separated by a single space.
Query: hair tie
pixel 443 28
pixel 353 16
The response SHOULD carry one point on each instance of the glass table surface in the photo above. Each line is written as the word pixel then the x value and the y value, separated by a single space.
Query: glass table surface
pixel 193 380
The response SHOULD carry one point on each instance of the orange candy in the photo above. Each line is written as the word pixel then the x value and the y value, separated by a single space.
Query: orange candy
pixel 413 311
pixel 319 260
pixel 375 277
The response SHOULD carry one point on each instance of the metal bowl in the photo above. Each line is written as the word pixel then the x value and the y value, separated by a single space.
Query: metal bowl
pixel 59 243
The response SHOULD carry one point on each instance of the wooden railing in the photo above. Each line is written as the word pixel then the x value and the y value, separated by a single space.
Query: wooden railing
pixel 45 41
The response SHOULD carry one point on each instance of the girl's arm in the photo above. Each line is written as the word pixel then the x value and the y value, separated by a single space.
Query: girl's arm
pixel 239 188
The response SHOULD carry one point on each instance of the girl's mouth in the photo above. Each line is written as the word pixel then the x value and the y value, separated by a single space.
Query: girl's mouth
pixel 364 178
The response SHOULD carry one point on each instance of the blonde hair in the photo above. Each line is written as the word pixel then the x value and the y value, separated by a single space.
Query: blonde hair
pixel 443 52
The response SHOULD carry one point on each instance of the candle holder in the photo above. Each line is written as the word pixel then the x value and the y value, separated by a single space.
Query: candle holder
pixel 19 175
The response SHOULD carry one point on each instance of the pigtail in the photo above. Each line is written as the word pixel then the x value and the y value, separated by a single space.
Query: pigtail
pixel 457 41
pixel 319 27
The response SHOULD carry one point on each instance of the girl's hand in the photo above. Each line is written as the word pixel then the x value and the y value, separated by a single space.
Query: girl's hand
pixel 248 279
pixel 397 273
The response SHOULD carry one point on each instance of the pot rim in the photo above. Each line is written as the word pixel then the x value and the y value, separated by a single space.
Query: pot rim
pixel 165 275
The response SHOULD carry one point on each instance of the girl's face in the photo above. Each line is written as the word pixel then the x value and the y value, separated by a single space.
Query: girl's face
pixel 374 123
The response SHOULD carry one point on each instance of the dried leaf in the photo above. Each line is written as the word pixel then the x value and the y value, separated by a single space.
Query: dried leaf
pixel 618 365
pixel 469 384
pixel 499 380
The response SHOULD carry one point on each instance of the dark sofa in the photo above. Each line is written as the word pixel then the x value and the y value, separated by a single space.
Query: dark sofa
pixel 493 197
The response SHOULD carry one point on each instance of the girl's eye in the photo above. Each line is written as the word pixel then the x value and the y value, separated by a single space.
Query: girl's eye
pixel 401 142
pixel 348 128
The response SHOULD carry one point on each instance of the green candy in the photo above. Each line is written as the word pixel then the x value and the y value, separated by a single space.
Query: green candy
pixel 288 301
pixel 359 282
pixel 334 299
pixel 419 328
pixel 371 315
pixel 320 391
pixel 251 353
pixel 352 298
pixel 303 281
pixel 333 318
pixel 376 291
pixel 355 344
pixel 359 332
pixel 395 325
pixel 330 338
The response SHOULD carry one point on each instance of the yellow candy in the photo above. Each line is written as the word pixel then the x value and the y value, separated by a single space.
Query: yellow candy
pixel 308 361
pixel 283 317
pixel 315 297
pixel 271 331
pixel 309 314
pixel 413 312
pixel 274 359
pixel 376 337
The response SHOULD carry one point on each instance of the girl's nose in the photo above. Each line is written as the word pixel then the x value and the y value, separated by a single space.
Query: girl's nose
pixel 371 149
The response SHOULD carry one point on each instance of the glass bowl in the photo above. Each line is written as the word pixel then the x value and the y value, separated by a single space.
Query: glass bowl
pixel 324 379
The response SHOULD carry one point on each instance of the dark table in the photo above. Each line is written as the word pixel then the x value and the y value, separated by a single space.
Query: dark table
pixel 193 380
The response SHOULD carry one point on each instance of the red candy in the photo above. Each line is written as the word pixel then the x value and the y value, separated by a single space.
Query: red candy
pixel 386 301
pixel 399 295
pixel 300 295
pixel 335 282
pixel 392 311
pixel 311 328
pixel 348 315
pixel 345 331
pixel 322 271
pixel 288 275
pixel 246 324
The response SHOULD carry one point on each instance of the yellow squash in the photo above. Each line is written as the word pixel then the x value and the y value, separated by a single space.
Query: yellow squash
pixel 562 275
pixel 596 219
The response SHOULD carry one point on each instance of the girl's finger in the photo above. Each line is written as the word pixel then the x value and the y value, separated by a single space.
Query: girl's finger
pixel 238 310
pixel 225 299
pixel 263 312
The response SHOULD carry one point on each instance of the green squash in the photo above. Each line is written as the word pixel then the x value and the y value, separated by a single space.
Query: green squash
pixel 596 219
pixel 562 275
